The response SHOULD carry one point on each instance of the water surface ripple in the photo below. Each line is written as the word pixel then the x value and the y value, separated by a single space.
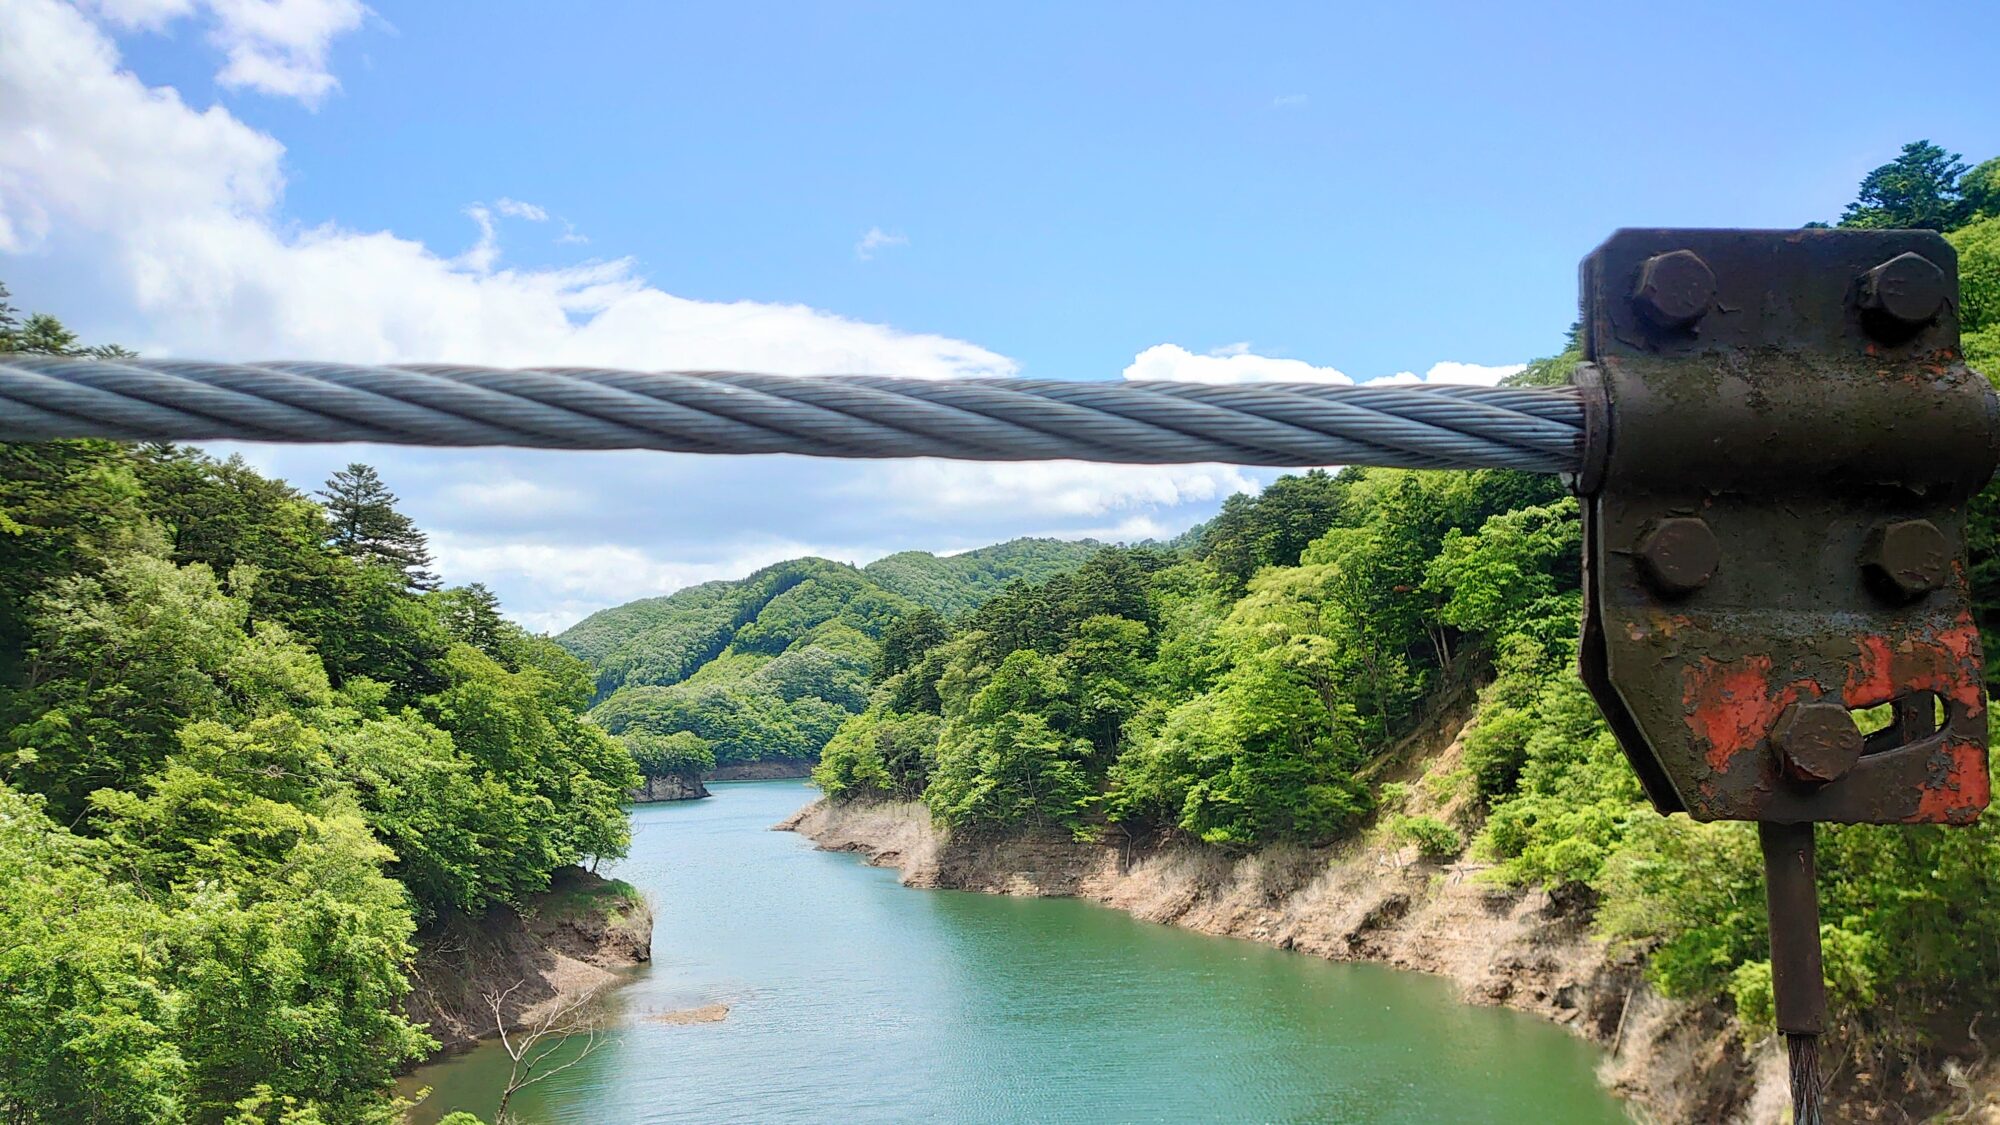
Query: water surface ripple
pixel 854 999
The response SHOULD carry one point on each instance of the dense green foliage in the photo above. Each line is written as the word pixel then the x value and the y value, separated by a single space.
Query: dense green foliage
pixel 243 756
pixel 1238 691
pixel 1229 692
pixel 951 585
pixel 770 666
pixel 1920 189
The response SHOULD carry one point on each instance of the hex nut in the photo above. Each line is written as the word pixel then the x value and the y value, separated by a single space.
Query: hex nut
pixel 1816 742
pixel 1675 289
pixel 1908 290
pixel 1679 555
pixel 1907 559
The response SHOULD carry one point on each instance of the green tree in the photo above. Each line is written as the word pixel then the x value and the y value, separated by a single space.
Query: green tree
pixel 471 614
pixel 1106 661
pixel 906 641
pixel 119 663
pixel 1917 190
pixel 366 526
pixel 681 753
pixel 879 753
pixel 1270 529
pixel 1009 771
pixel 1978 246
pixel 1981 188
pixel 86 1019
pixel 269 760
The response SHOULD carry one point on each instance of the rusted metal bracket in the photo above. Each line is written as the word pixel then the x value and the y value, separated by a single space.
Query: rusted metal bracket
pixel 1783 439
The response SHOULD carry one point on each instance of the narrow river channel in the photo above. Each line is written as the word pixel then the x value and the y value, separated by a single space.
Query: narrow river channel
pixel 854 999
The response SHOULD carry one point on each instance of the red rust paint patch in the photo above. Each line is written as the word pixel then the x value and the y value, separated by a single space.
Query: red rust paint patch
pixel 1947 663
pixel 1959 799
pixel 1872 680
pixel 1731 706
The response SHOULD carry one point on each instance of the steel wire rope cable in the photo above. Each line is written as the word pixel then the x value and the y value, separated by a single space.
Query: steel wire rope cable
pixel 1143 422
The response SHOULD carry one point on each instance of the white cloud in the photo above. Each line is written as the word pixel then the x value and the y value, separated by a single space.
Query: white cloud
pixel 1464 374
pixel 1057 493
pixel 1290 101
pixel 1485 375
pixel 524 499
pixel 276 47
pixel 486 251
pixel 178 210
pixel 577 579
pixel 515 209
pixel 875 241
pixel 1226 365
pixel 142 15
pixel 1236 363
pixel 279 47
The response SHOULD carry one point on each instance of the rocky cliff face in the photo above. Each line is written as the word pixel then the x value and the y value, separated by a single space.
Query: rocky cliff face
pixel 570 941
pixel 688 787
pixel 672 787
pixel 1367 901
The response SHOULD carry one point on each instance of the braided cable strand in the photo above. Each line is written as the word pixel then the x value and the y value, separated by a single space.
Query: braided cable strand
pixel 1275 424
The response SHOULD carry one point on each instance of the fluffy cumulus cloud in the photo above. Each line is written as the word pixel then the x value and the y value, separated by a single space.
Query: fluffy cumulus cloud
pixel 1238 363
pixel 180 205
pixel 175 213
pixel 1233 364
pixel 1462 374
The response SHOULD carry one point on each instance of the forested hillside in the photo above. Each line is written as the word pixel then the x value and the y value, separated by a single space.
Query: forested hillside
pixel 768 667
pixel 247 749
pixel 950 585
pixel 1238 692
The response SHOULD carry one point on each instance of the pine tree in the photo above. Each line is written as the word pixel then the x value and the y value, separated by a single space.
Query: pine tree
pixel 472 614
pixel 10 322
pixel 1918 189
pixel 367 526
pixel 43 334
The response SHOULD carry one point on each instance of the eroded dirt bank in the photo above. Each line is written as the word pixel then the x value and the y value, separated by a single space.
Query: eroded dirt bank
pixel 1672 1061
pixel 569 942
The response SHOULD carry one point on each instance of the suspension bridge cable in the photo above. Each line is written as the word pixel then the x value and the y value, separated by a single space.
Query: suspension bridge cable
pixel 1273 424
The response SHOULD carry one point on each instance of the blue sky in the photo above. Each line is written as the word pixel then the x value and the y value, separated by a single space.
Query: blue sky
pixel 1068 191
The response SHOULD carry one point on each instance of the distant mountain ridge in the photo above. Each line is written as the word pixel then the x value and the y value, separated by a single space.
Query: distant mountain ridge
pixel 769 665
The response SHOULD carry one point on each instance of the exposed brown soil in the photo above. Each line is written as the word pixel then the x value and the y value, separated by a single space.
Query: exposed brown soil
pixel 570 941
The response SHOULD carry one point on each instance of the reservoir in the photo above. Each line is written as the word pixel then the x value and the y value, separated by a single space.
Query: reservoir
pixel 854 999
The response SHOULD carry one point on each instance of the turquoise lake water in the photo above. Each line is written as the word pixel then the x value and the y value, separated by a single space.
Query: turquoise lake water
pixel 854 999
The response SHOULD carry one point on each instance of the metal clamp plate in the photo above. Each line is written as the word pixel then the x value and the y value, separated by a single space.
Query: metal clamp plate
pixel 1774 518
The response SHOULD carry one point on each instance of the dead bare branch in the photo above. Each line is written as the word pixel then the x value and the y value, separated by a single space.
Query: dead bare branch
pixel 569 1020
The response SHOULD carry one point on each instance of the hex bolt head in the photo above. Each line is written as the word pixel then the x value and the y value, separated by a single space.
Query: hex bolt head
pixel 1679 555
pixel 1816 742
pixel 1675 289
pixel 1907 559
pixel 1907 290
